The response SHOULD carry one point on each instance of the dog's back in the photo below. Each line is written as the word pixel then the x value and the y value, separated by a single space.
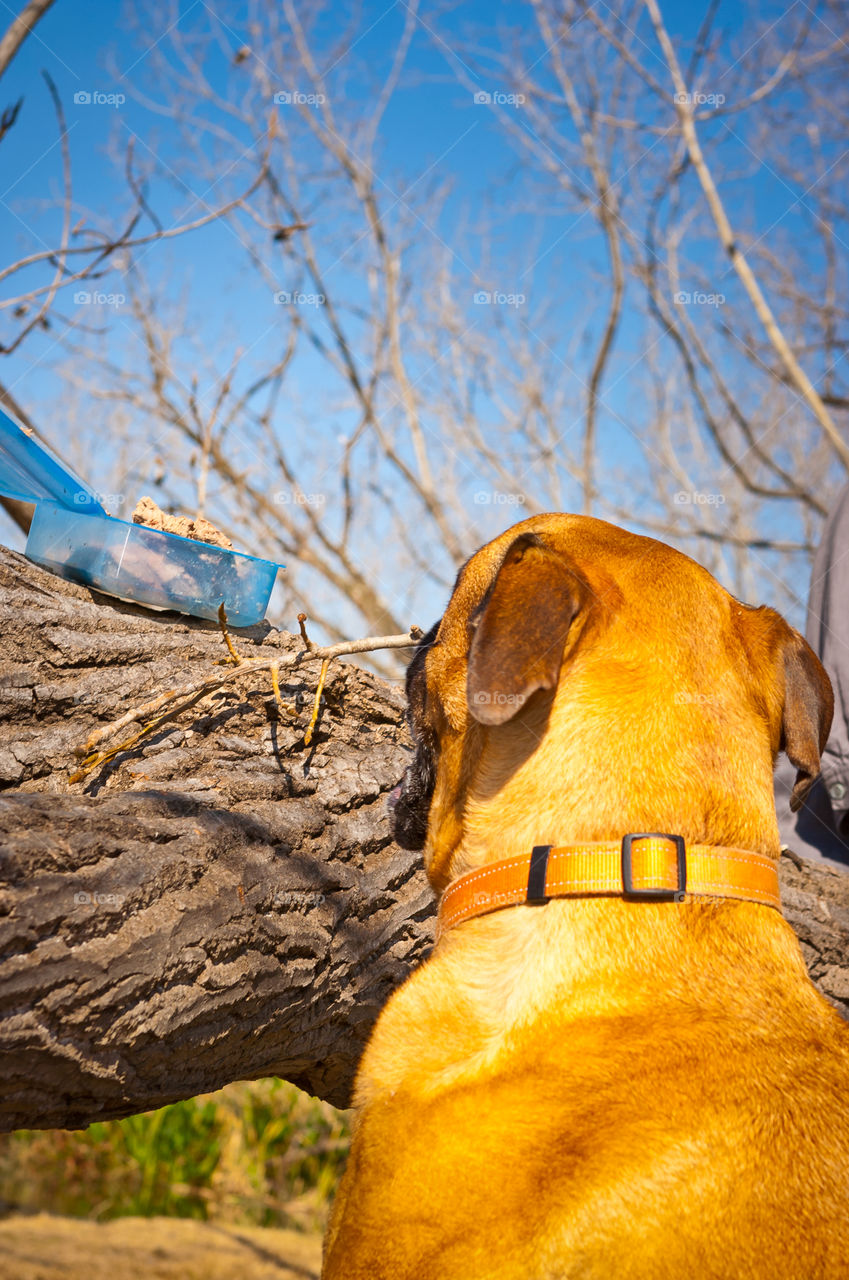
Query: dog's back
pixel 652 1133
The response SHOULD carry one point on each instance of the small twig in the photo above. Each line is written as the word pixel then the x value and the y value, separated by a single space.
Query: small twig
pixel 275 684
pixel 137 713
pixel 317 704
pixel 308 644
pixel 368 645
pixel 137 189
pixel 222 622
pixel 9 116
pixel 102 757
pixel 178 700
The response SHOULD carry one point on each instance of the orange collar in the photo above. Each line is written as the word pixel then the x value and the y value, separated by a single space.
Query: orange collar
pixel 645 866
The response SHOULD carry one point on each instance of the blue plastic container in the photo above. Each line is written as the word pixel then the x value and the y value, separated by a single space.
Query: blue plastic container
pixel 72 535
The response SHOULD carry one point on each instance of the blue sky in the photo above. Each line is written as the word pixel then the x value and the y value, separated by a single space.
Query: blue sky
pixel 432 130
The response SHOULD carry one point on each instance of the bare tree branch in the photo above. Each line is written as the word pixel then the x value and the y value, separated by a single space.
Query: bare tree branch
pixel 17 31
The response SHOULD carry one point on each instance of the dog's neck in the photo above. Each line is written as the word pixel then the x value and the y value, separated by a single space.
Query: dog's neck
pixel 577 787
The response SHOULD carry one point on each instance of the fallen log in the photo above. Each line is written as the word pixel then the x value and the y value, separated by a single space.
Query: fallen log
pixel 220 902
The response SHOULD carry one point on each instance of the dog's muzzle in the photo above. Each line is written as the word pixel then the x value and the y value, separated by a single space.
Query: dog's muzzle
pixel 409 802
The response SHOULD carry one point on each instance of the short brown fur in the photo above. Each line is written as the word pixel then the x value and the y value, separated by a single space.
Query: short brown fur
pixel 603 1088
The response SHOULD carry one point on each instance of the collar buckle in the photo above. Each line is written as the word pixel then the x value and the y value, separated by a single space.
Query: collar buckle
pixel 653 894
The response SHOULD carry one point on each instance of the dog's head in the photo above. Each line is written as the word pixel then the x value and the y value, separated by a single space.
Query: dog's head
pixel 585 681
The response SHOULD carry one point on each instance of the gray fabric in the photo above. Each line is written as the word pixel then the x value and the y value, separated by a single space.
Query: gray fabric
pixel 812 832
pixel 821 828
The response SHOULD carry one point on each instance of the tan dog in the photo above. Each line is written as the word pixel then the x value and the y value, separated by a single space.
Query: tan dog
pixel 602 1087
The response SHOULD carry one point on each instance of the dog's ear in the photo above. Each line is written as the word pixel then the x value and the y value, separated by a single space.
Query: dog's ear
pixel 806 717
pixel 520 629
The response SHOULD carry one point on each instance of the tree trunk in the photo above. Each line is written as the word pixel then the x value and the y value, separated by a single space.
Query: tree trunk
pixel 220 902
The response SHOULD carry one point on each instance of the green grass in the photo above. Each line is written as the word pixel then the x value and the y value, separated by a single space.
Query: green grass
pixel 259 1152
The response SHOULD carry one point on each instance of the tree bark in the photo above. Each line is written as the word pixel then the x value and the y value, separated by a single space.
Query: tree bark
pixel 220 902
